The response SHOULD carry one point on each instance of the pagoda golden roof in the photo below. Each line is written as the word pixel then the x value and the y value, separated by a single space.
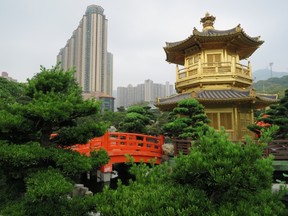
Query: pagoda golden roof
pixel 235 40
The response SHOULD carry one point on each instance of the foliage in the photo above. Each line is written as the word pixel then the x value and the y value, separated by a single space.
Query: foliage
pixel 153 199
pixel 46 189
pixel 136 120
pixel 272 85
pixel 37 169
pixel 47 184
pixel 255 127
pixel 277 115
pixel 56 105
pixel 112 118
pixel 156 127
pixel 185 119
pixel 223 169
pixel 10 90
pixel 218 177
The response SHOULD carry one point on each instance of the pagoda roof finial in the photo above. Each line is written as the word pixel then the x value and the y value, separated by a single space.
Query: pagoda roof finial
pixel 208 21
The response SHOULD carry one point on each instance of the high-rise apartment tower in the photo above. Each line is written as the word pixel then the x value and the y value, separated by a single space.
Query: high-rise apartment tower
pixel 86 50
pixel 145 92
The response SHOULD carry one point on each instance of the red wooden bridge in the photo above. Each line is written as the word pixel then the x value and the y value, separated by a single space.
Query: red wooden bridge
pixel 141 147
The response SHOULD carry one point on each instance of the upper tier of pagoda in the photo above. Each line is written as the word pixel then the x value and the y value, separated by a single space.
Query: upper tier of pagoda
pixel 209 69
pixel 234 40
pixel 212 58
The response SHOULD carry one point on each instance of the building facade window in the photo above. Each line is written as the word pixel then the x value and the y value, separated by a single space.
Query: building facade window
pixel 192 60
pixel 213 120
pixel 213 58
pixel 226 121
pixel 245 119
pixel 221 119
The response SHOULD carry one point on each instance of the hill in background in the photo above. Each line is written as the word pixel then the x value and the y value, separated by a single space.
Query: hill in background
pixel 264 74
pixel 265 84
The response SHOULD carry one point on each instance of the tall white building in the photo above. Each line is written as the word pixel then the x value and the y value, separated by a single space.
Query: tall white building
pixel 147 92
pixel 86 50
pixel 109 80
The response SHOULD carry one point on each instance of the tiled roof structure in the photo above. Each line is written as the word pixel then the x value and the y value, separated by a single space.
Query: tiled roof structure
pixel 215 92
pixel 220 96
pixel 235 37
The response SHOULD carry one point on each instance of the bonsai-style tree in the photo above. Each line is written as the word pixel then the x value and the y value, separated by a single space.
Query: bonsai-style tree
pixel 112 118
pixel 10 90
pixel 37 170
pixel 136 120
pixel 185 119
pixel 276 115
pixel 262 121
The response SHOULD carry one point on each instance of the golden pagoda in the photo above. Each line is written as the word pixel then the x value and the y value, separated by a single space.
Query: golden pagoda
pixel 209 69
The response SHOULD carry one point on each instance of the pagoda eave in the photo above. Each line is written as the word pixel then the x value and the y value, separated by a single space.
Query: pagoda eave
pixel 214 97
pixel 237 41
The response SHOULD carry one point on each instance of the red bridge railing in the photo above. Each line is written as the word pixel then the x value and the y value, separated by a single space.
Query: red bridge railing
pixel 118 145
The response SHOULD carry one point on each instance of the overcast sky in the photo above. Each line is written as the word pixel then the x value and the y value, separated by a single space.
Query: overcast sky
pixel 33 31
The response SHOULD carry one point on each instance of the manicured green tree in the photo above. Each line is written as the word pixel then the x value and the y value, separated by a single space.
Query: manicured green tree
pixel 37 169
pixel 136 120
pixel 262 121
pixel 112 118
pixel 155 128
pixel 278 115
pixel 185 119
pixel 218 177
pixel 10 91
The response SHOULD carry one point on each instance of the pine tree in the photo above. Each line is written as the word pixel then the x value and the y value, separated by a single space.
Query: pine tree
pixel 37 170
pixel 185 119
pixel 278 115
pixel 136 120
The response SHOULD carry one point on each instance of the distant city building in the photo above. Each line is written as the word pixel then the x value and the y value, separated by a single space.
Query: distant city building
pixel 146 92
pixel 109 80
pixel 86 50
pixel 6 76
pixel 107 102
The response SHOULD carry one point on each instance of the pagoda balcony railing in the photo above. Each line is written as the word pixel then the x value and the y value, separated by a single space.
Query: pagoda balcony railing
pixel 212 69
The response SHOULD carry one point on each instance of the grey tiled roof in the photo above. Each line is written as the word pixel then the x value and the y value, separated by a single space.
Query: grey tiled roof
pixel 215 32
pixel 209 95
pixel 175 98
pixel 267 97
pixel 222 94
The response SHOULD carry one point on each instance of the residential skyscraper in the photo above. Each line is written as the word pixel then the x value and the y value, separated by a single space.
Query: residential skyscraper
pixel 146 92
pixel 86 50
pixel 109 81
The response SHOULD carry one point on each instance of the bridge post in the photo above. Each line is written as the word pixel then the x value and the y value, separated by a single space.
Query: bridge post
pixel 105 173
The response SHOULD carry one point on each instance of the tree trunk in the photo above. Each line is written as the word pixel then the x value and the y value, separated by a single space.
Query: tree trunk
pixel 45 136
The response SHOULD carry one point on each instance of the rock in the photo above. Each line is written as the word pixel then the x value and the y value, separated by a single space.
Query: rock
pixel 168 149
pixel 80 190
